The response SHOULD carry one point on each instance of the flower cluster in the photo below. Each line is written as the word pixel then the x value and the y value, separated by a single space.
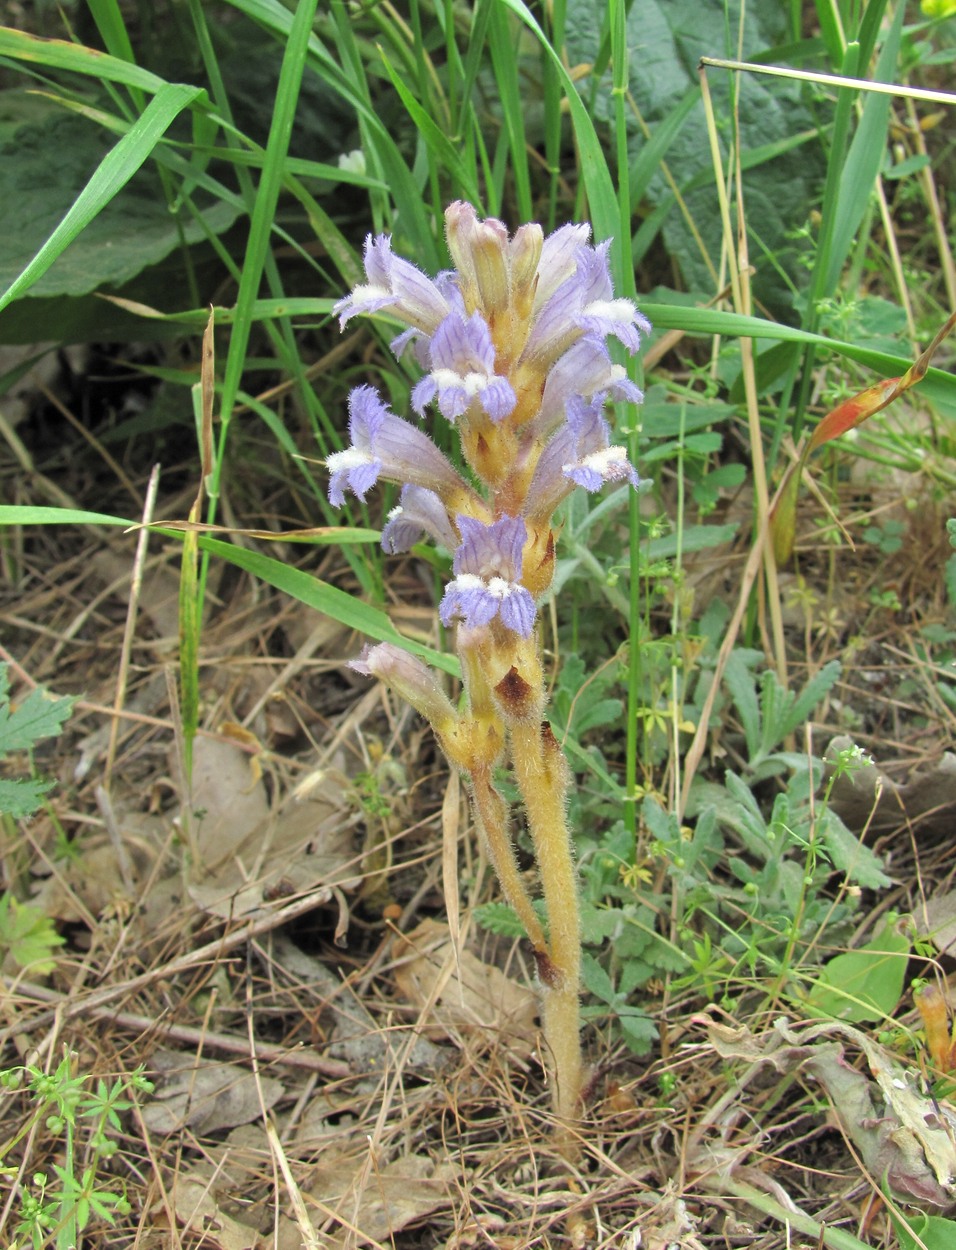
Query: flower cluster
pixel 513 344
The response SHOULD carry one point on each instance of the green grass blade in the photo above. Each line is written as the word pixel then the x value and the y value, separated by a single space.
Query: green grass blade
pixel 407 192
pixel 112 28
pixel 503 48
pixel 556 13
pixel 267 195
pixel 831 30
pixel 349 82
pixel 938 385
pixel 863 160
pixel 58 54
pixel 624 277
pixel 110 176
pixel 338 604
pixel 652 152
pixel 190 632
pixel 442 150
pixel 31 514
pixel 602 198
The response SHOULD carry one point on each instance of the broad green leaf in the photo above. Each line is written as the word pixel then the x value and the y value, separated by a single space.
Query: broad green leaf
pixel 794 709
pixel 640 1031
pixel 596 980
pixel 693 538
pixel 22 796
pixel 924 1232
pixel 666 39
pixel 599 923
pixel 39 715
pixel 132 233
pixel 46 156
pixel 499 918
pixel 864 984
pixel 861 865
pixel 740 681
pixel 112 174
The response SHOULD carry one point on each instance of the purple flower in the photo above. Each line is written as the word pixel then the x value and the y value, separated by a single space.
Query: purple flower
pixel 583 304
pixel 413 679
pixel 585 369
pixel 559 259
pixel 462 357
pixel 419 512
pixel 384 445
pixel 487 582
pixel 602 314
pixel 397 285
pixel 579 454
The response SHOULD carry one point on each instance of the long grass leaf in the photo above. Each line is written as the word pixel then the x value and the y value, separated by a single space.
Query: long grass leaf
pixel 314 593
pixel 503 48
pixel 651 153
pixel 35 514
pixel 598 183
pixel 338 604
pixel 58 54
pixel 863 161
pixel 441 148
pixel 112 28
pixel 267 195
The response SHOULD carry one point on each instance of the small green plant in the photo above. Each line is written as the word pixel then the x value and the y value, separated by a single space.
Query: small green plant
pixel 38 716
pixel 57 1205
pixel 764 889
pixel 886 537
pixel 27 936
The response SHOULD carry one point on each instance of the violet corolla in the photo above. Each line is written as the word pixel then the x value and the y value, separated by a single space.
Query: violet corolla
pixel 513 347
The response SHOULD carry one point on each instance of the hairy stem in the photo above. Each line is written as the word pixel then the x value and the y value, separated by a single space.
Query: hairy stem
pixel 492 813
pixel 543 778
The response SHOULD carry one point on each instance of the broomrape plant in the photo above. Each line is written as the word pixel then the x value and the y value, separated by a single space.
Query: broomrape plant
pixel 513 342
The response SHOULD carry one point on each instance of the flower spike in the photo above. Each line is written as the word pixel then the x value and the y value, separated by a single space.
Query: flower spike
pixel 513 347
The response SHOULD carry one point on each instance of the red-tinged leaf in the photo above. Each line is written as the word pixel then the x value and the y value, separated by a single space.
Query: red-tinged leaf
pixel 783 518
pixel 846 416
pixel 852 412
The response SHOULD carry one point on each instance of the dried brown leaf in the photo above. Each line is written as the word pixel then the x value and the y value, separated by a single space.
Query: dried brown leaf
pixel 248 855
pixel 205 1096
pixel 379 1201
pixel 473 996
pixel 903 1135
pixel 198 1211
